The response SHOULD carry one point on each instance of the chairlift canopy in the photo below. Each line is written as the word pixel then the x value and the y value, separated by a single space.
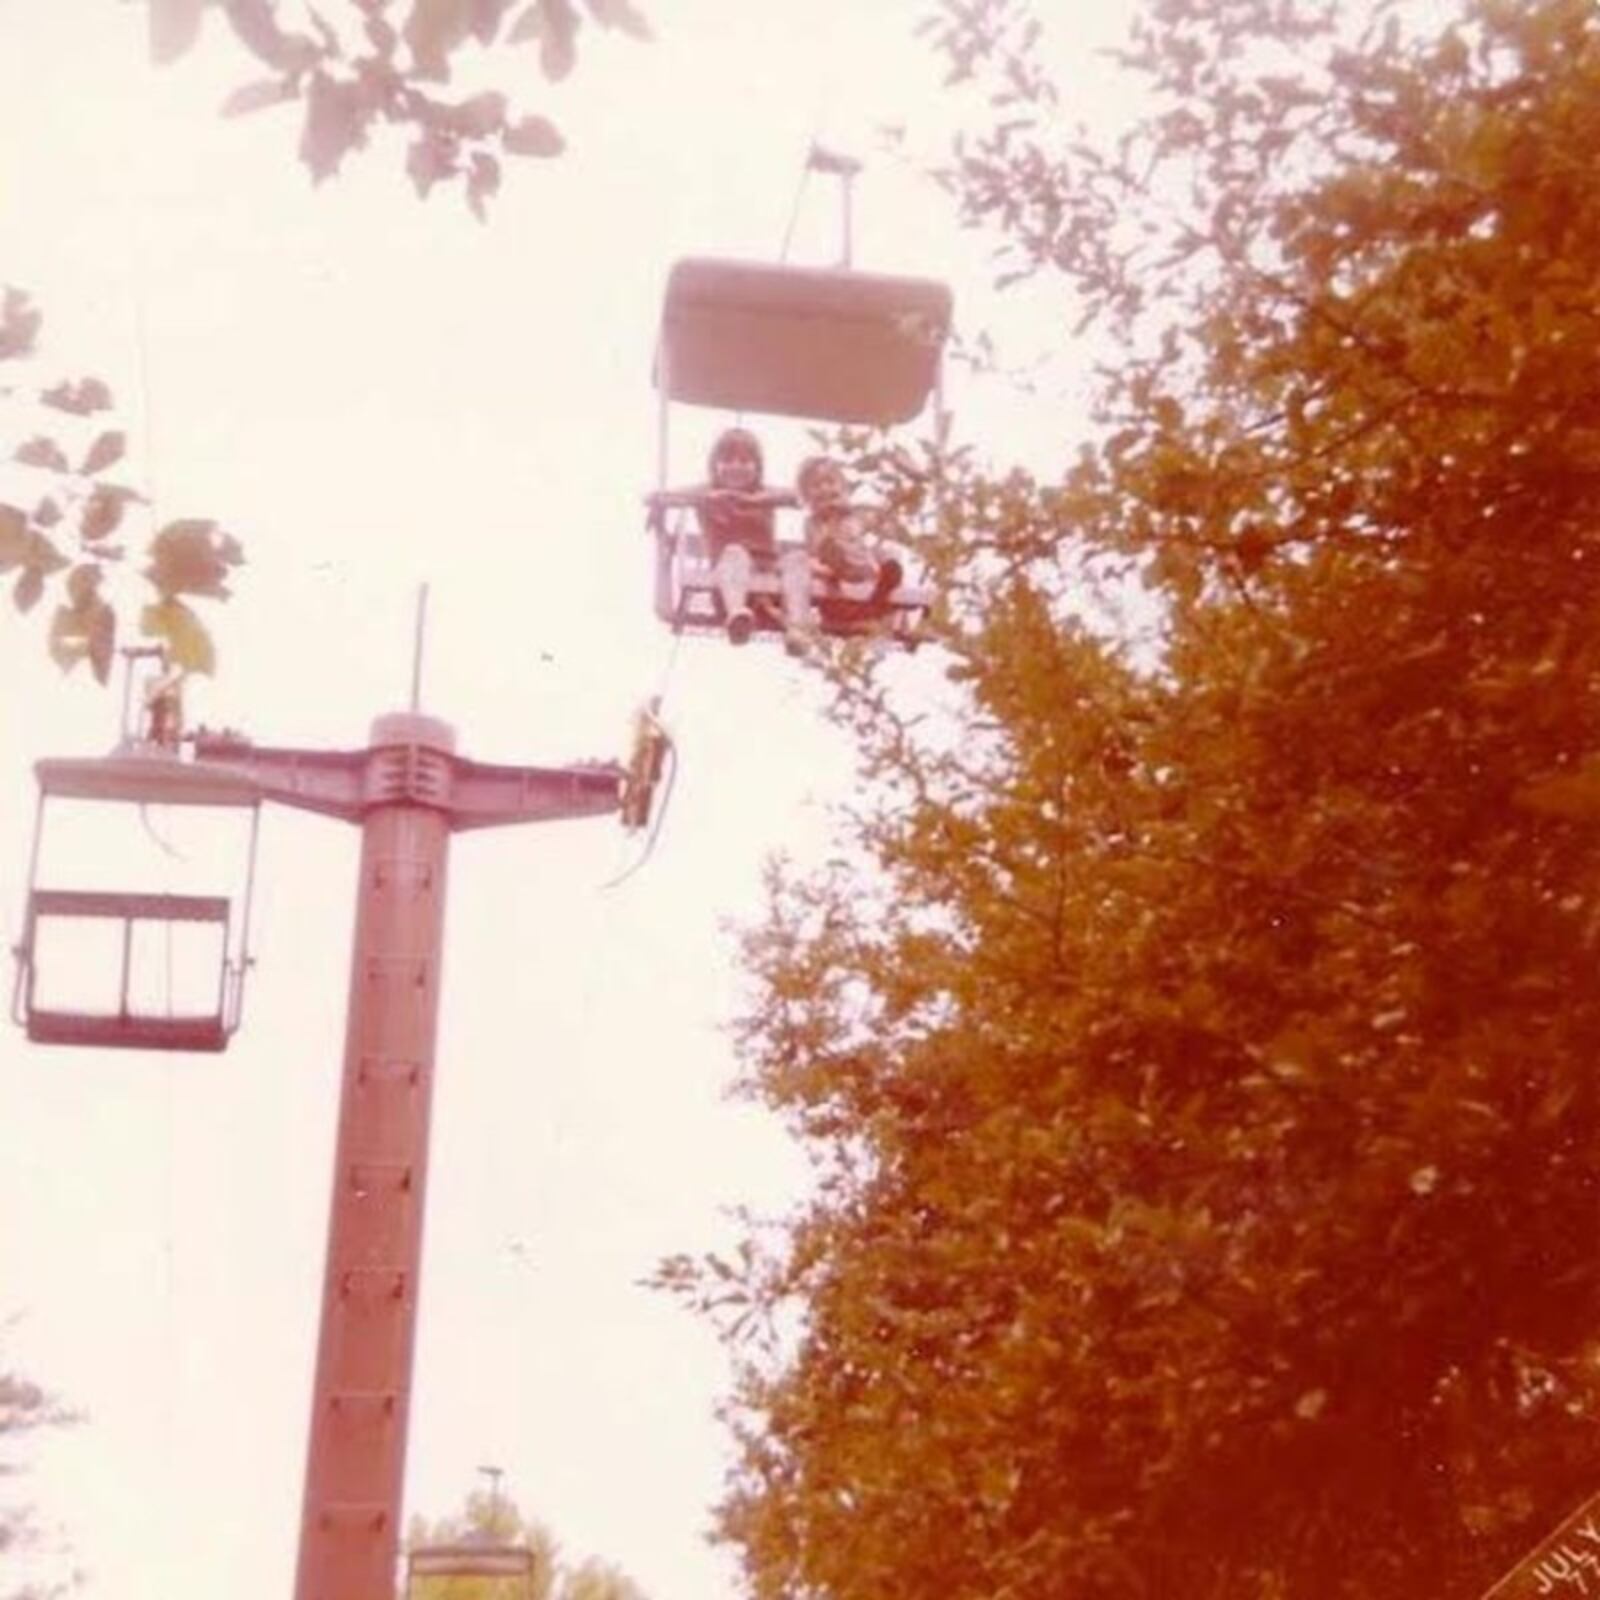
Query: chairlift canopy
pixel 831 345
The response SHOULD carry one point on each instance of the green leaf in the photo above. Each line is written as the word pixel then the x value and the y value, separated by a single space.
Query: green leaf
pixel 102 639
pixel 433 31
pixel 42 555
pixel 13 537
pixel 191 557
pixel 174 27
pixel 83 583
pixel 534 136
pixel 182 632
pixel 43 453
pixel 487 15
pixel 430 160
pixel 81 399
pixel 257 28
pixel 382 35
pixel 337 114
pixel 622 15
pixel 106 450
pixel 27 589
pixel 102 512
pixel 558 33
pixel 19 324
pixel 480 116
pixel 85 628
pixel 68 645
pixel 259 96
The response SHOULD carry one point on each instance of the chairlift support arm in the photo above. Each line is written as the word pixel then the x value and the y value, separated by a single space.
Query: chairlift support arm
pixel 402 769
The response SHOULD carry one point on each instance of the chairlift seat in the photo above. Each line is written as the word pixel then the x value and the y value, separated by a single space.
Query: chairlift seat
pixel 143 775
pixel 687 598
pixel 830 345
pixel 122 1028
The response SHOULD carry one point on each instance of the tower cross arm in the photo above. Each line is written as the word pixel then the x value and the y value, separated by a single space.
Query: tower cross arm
pixel 400 770
pixel 485 796
pixel 332 782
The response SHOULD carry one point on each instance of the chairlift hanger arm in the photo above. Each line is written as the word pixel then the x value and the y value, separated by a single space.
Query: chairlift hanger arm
pixel 144 776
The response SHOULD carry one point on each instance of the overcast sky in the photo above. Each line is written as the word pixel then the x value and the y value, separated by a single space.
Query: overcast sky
pixel 373 393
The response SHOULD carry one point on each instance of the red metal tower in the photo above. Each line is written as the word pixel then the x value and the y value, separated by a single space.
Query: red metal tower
pixel 409 791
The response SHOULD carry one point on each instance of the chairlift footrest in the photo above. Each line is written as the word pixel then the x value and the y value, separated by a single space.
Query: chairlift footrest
pixel 127 1032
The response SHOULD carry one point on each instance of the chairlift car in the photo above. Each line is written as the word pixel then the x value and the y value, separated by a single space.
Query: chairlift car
pixel 138 773
pixel 823 344
pixel 498 1571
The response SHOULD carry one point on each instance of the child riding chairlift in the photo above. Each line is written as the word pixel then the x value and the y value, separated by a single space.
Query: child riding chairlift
pixel 823 345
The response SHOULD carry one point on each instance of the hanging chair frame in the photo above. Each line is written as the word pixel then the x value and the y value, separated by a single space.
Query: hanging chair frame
pixel 140 777
pixel 822 344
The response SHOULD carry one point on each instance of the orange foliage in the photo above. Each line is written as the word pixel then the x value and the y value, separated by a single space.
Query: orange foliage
pixel 1205 1094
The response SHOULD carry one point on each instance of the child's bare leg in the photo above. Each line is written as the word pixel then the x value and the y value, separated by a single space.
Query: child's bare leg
pixel 733 585
pixel 794 582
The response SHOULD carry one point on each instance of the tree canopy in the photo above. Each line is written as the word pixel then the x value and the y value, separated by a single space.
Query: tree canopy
pixel 1195 1038
pixel 358 66
pixel 69 534
pixel 25 1407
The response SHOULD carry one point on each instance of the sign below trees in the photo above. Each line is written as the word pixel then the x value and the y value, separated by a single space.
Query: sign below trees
pixel 1565 1563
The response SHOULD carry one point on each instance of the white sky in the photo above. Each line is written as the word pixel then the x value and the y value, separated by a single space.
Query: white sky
pixel 372 393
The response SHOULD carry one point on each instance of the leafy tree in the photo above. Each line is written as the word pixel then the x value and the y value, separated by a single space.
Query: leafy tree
pixel 358 66
pixel 70 526
pixel 24 1407
pixel 599 1580
pixel 354 67
pixel 487 1519
pixel 1196 1038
